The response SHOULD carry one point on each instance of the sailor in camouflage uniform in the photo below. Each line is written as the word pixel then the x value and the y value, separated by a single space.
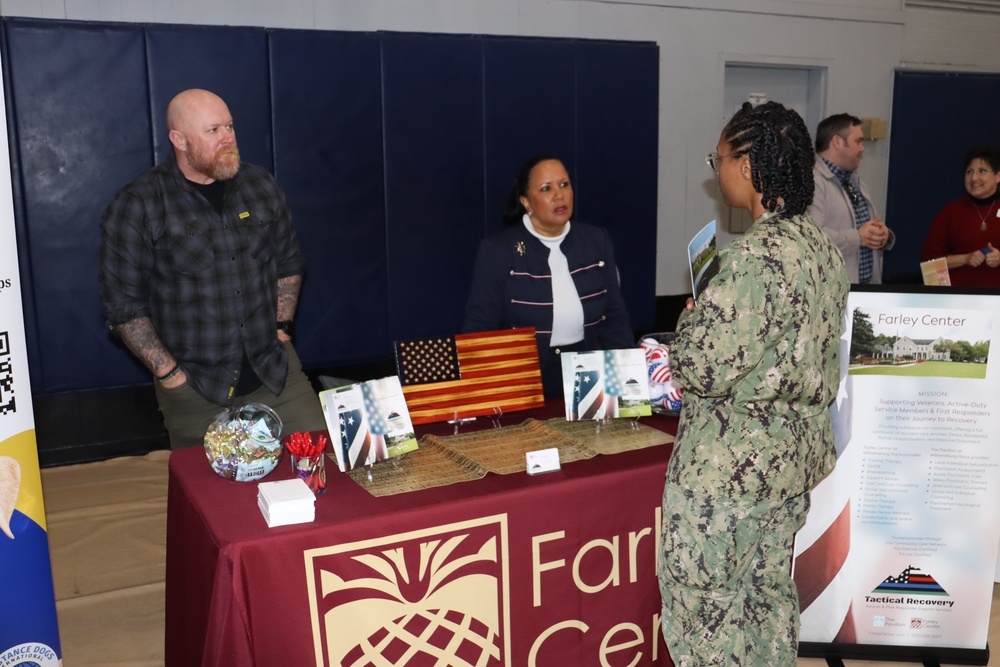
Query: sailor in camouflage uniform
pixel 758 356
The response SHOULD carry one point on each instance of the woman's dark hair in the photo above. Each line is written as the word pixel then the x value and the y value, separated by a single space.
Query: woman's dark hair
pixel 988 154
pixel 781 155
pixel 514 212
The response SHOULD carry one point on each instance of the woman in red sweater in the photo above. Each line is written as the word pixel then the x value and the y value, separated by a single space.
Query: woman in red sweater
pixel 967 232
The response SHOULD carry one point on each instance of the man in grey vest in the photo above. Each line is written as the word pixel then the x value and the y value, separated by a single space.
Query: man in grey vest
pixel 842 205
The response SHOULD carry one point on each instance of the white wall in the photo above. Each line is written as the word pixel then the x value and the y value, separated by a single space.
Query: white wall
pixel 860 44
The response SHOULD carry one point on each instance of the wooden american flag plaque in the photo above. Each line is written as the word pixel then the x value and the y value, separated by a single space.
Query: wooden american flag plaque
pixel 470 375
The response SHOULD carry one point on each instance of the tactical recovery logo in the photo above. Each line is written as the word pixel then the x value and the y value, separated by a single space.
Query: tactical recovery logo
pixel 911 581
pixel 438 596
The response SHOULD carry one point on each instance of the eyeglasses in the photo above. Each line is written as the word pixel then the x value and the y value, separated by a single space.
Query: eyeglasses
pixel 713 159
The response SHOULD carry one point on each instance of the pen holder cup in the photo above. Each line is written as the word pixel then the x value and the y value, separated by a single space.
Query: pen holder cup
pixel 312 470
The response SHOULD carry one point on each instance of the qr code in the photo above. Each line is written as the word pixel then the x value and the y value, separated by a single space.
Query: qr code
pixel 6 377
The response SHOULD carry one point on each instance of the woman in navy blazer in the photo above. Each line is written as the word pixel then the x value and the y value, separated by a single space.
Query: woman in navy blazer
pixel 545 272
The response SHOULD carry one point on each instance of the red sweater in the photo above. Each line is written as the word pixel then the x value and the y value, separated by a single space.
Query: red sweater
pixel 957 229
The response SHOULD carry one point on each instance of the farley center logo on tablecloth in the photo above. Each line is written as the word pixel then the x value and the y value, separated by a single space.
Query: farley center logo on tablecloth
pixel 436 594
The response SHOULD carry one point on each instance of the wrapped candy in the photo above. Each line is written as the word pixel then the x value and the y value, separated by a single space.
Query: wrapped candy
pixel 244 443
pixel 663 392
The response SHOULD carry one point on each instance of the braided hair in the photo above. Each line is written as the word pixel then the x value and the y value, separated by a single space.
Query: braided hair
pixel 781 155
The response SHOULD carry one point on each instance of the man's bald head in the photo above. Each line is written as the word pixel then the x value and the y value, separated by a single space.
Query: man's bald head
pixel 201 131
pixel 187 104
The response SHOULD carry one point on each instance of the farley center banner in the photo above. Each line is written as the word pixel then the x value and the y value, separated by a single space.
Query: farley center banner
pixel 900 546
pixel 29 634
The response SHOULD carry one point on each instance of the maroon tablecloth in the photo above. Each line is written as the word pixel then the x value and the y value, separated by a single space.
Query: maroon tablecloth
pixel 509 570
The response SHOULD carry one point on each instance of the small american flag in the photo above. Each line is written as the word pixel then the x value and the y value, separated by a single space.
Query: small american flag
pixel 492 370
pixel 615 384
pixel 588 393
pixel 355 438
pixel 360 443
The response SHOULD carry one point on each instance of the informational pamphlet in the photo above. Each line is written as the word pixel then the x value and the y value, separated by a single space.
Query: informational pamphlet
pixel 900 547
pixel 368 422
pixel 935 271
pixel 605 384
pixel 702 257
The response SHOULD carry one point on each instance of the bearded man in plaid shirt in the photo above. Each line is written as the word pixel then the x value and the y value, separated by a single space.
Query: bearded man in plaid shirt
pixel 200 272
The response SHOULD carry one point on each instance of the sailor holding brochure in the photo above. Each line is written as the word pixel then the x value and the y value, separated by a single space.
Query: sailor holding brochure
pixel 758 358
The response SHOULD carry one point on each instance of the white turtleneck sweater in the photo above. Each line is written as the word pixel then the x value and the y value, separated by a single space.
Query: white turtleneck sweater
pixel 567 311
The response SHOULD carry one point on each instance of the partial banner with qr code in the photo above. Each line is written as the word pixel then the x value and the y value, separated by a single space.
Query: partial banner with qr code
pixel 29 633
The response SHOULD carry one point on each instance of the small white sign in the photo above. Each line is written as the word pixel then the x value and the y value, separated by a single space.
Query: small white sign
pixel 543 460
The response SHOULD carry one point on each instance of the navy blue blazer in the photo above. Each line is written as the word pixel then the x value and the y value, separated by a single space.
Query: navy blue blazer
pixel 512 288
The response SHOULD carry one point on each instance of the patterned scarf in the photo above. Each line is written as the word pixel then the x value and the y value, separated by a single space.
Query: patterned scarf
pixel 862 214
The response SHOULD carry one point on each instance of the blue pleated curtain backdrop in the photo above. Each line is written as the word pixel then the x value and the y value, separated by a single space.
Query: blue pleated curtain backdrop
pixel 396 152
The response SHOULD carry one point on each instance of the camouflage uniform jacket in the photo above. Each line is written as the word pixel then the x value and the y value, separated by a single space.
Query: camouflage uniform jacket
pixel 759 358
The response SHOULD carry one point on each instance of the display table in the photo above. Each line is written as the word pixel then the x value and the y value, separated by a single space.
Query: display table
pixel 508 570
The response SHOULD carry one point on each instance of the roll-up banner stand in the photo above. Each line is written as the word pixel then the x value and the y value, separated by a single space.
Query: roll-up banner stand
pixel 899 553
pixel 29 633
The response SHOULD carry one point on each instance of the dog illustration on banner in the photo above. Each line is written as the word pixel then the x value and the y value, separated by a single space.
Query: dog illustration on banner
pixel 436 596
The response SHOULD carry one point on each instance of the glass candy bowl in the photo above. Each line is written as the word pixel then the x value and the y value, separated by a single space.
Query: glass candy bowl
pixel 244 443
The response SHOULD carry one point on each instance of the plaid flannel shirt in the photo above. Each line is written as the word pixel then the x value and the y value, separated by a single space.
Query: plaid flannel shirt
pixel 208 282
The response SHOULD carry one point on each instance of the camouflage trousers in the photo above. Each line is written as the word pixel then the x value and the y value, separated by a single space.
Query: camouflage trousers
pixel 724 573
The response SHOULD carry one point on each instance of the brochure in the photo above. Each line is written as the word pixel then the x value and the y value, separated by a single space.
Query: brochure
pixel 935 271
pixel 605 384
pixel 702 256
pixel 368 422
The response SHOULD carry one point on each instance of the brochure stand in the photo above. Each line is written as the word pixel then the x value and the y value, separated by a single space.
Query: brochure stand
pixel 605 384
pixel 898 556
pixel 368 422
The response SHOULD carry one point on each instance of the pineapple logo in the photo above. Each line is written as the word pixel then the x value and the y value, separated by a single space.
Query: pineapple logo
pixel 438 596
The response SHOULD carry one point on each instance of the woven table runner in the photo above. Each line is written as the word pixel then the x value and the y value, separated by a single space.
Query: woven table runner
pixel 502 450
pixel 423 469
pixel 613 436
pixel 443 460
